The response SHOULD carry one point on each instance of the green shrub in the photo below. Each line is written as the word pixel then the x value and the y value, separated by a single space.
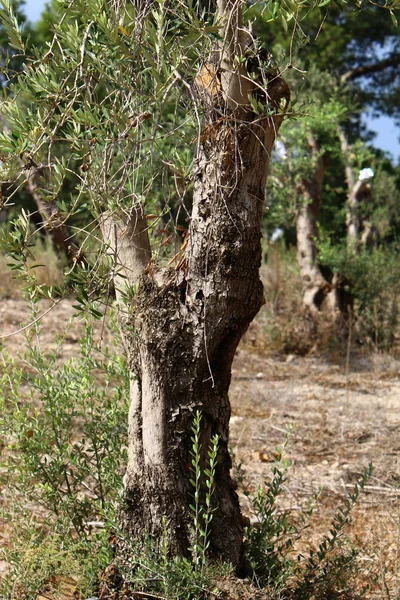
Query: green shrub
pixel 373 279
pixel 39 553
pixel 202 510
pixel 64 427
pixel 149 568
pixel 271 535
pixel 152 571
pixel 330 571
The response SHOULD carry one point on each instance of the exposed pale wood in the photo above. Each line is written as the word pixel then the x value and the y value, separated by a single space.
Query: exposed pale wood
pixel 236 85
pixel 127 239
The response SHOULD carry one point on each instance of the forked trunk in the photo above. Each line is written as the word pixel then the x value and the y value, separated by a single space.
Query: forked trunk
pixel 183 326
pixel 185 329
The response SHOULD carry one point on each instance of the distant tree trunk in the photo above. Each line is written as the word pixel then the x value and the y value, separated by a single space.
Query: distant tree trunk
pixel 183 325
pixel 53 225
pixel 353 221
pixel 370 237
pixel 318 293
pixel 358 194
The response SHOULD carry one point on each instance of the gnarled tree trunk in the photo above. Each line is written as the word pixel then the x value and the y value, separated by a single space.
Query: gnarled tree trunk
pixel 318 292
pixel 184 324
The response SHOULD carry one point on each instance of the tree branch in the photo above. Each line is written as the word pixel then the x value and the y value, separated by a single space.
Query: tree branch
pixel 55 227
pixel 236 85
pixel 345 148
pixel 127 238
pixel 360 71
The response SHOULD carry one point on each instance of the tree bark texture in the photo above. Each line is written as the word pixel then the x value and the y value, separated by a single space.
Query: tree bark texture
pixel 182 329
pixel 185 329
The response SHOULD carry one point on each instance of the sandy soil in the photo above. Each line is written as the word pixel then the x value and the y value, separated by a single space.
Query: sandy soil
pixel 342 418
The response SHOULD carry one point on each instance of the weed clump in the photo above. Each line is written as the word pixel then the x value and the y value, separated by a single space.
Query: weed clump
pixel 332 570
pixel 65 443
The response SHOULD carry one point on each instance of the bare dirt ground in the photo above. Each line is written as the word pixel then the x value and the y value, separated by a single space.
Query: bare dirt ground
pixel 342 418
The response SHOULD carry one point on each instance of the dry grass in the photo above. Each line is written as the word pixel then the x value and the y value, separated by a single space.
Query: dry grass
pixel 46 265
pixel 341 422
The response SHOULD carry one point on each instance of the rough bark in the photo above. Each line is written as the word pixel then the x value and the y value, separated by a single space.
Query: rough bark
pixel 318 292
pixel 184 325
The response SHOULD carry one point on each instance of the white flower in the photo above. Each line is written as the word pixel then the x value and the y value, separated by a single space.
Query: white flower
pixel 366 174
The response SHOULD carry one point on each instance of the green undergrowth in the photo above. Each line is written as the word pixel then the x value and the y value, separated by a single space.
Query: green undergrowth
pixel 330 570
pixel 64 441
pixel 370 279
pixel 63 437
pixel 63 432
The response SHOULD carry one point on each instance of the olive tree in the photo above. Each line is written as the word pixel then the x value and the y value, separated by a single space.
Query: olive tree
pixel 105 101
pixel 138 101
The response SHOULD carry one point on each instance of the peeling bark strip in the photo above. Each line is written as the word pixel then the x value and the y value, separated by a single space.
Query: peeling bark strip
pixel 184 326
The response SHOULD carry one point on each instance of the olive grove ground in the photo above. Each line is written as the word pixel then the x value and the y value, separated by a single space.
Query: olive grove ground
pixel 342 418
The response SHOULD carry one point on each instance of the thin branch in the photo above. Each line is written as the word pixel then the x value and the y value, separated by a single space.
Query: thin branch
pixel 377 488
pixel 3 337
pixel 147 595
